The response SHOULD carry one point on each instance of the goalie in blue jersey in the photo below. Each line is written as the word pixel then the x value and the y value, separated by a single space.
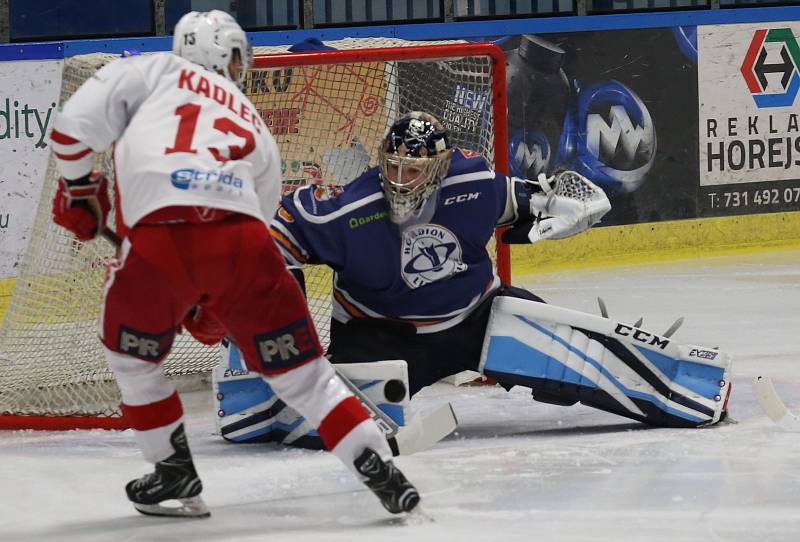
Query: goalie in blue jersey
pixel 413 280
pixel 407 241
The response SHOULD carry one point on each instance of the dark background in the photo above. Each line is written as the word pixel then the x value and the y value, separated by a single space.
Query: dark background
pixel 649 62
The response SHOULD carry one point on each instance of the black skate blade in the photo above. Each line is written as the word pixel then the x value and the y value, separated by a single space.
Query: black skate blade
pixel 192 507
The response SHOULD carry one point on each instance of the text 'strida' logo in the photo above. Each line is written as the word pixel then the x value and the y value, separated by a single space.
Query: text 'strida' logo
pixel 773 51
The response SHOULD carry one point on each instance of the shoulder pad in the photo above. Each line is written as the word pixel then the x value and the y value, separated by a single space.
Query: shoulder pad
pixel 323 203
pixel 152 66
pixel 466 153
pixel 324 192
pixel 462 165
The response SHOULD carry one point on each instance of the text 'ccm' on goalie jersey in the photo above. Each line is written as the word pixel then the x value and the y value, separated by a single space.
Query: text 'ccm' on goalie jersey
pixel 429 274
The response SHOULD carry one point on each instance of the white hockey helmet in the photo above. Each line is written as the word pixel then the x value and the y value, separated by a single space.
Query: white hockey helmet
pixel 209 39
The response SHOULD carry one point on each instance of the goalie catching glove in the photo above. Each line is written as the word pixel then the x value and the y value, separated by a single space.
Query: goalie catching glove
pixel 82 205
pixel 563 205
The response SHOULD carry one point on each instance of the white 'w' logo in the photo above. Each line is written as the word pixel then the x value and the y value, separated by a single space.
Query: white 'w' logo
pixel 603 139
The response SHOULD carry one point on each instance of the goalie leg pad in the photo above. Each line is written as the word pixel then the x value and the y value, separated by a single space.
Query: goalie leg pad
pixel 249 411
pixel 567 356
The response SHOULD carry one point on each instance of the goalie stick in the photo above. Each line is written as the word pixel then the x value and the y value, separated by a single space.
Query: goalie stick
pixel 773 406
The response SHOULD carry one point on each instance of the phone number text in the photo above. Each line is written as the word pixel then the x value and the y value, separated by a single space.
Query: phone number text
pixel 752 198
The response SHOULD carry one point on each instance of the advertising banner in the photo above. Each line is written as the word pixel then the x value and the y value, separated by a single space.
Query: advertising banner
pixel 289 102
pixel 618 106
pixel 749 132
pixel 29 93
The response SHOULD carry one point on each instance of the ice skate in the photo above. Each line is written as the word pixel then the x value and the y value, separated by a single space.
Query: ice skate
pixel 387 482
pixel 175 479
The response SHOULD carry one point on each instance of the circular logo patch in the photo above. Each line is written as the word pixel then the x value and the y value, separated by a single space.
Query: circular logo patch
pixel 429 253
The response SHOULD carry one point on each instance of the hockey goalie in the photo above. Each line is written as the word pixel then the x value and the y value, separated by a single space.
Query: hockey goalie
pixel 413 281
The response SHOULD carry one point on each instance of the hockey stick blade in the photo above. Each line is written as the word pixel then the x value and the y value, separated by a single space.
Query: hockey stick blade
pixel 424 430
pixel 773 406
pixel 420 433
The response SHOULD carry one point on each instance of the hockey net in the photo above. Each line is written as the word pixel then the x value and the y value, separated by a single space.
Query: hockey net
pixel 328 111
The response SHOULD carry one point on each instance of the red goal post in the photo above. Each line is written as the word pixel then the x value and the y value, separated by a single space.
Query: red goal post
pixel 328 111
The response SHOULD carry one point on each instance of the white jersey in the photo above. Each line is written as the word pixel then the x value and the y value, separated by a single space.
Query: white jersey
pixel 182 135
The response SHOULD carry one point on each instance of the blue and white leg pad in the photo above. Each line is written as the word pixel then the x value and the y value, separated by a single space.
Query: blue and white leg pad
pixel 567 356
pixel 249 411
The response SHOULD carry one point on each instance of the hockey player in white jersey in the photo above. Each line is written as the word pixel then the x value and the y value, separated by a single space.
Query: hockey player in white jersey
pixel 413 281
pixel 197 172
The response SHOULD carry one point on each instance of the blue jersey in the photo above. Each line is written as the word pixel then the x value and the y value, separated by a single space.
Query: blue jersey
pixel 430 273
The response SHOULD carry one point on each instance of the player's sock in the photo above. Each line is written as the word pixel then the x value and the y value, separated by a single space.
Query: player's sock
pixel 387 482
pixel 174 478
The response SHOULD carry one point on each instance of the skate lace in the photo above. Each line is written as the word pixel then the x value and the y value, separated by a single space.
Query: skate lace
pixel 146 480
pixel 380 474
pixel 371 466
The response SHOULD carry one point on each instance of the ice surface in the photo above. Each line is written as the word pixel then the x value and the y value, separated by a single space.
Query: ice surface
pixel 516 469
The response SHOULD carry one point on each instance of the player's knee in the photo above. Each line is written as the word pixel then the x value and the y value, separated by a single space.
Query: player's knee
pixel 139 381
pixel 313 389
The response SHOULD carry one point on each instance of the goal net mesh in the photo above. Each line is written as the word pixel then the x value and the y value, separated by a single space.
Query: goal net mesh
pixel 327 118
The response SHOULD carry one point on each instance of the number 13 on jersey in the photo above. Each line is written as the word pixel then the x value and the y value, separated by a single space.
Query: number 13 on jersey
pixel 184 138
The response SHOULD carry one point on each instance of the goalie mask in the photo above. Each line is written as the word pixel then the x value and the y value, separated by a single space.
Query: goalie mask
pixel 414 158
pixel 210 39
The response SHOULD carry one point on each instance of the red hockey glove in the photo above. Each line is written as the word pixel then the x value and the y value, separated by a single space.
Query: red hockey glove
pixel 82 205
pixel 204 327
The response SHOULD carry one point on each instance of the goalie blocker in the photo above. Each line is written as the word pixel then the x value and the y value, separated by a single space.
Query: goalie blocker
pixel 567 356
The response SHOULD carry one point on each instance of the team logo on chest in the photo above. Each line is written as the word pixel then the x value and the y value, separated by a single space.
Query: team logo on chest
pixel 429 252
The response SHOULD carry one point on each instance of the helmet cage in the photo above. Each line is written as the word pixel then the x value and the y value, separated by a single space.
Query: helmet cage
pixel 405 195
pixel 416 143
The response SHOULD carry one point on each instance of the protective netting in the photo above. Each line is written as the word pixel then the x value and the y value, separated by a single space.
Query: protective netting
pixel 573 186
pixel 327 119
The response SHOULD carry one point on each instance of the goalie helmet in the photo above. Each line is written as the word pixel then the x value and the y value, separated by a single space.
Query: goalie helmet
pixel 209 39
pixel 414 158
